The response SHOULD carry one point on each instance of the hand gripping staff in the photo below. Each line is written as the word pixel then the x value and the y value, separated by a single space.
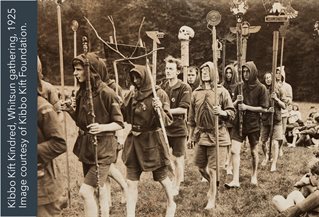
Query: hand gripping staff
pixel 158 111
pixel 277 21
pixel 273 81
pixel 213 19
pixel 240 74
pixel 92 118
pixel 239 8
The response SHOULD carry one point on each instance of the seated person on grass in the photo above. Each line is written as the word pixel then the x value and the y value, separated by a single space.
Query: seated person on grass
pixel 294 120
pixel 300 137
pixel 296 203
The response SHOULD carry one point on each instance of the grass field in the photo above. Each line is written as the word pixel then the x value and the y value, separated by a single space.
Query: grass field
pixel 248 201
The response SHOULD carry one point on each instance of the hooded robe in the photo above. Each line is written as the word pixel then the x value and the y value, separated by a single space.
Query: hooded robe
pixel 145 146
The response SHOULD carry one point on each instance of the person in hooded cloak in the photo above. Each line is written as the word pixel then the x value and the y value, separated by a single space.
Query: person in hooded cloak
pixel 108 119
pixel 251 104
pixel 202 113
pixel 145 149
pixel 287 98
pixel 277 133
pixel 230 82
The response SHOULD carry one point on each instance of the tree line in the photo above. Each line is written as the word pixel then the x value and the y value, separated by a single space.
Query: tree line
pixel 301 48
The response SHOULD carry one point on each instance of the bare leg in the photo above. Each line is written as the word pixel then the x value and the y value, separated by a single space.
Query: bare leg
pixel 90 205
pixel 254 155
pixel 108 191
pixel 228 157
pixel 235 150
pixel 119 178
pixel 295 196
pixel 281 203
pixel 284 140
pixel 171 205
pixel 204 173
pixel 212 190
pixel 294 140
pixel 264 146
pixel 228 164
pixel 104 198
pixel 179 164
pixel 131 198
pixel 276 154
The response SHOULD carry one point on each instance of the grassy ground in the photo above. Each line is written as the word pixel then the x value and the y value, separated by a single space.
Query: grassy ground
pixel 248 201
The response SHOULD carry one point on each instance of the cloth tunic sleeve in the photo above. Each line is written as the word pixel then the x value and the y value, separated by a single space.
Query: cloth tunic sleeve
pixel 227 105
pixel 185 96
pixel 191 113
pixel 112 104
pixel 51 142
pixel 166 115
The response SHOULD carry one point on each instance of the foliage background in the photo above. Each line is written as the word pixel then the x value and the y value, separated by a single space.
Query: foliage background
pixel 301 54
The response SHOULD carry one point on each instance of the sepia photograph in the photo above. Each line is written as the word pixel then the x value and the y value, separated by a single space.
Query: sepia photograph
pixel 178 108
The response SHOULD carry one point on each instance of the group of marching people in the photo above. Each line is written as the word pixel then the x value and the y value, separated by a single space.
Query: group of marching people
pixel 186 110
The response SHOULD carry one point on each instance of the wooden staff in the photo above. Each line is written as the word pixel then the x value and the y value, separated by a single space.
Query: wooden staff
pixel 213 18
pixel 282 31
pixel 92 118
pixel 246 31
pixel 155 36
pixel 63 95
pixel 276 20
pixel 158 111
pixel 149 73
pixel 273 79
pixel 240 74
pixel 185 34
pixel 74 27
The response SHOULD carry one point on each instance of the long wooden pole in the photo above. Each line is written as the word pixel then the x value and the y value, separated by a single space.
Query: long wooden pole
pixel 154 60
pixel 63 98
pixel 185 58
pixel 91 120
pixel 282 51
pixel 215 59
pixel 274 66
pixel 74 54
pixel 244 50
pixel 240 74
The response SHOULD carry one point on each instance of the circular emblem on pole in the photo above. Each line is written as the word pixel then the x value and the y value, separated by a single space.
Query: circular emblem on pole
pixel 213 18
pixel 74 25
pixel 173 99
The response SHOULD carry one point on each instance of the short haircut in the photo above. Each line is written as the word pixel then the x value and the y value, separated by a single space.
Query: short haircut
pixel 77 62
pixel 171 59
pixel 193 68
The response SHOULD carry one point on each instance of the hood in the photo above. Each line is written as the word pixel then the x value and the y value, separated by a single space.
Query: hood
pixel 253 72
pixel 283 73
pixel 212 71
pixel 146 87
pixel 97 68
pixel 97 65
pixel 234 78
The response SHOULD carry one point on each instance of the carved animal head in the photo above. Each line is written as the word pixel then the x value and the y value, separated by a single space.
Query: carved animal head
pixel 185 33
